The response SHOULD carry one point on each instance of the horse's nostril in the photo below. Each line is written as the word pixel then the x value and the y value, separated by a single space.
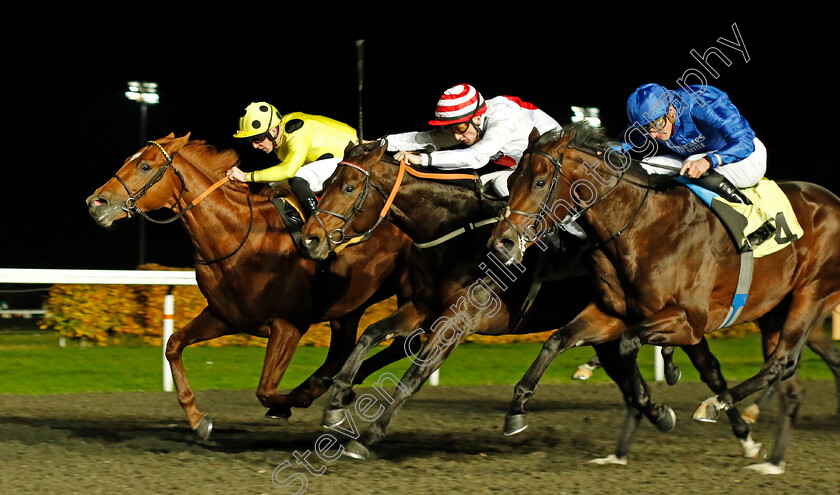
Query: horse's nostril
pixel 95 202
pixel 310 241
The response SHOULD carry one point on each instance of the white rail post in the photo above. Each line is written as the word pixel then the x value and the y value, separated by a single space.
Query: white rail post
pixel 835 324
pixel 168 327
pixel 434 378
pixel 658 364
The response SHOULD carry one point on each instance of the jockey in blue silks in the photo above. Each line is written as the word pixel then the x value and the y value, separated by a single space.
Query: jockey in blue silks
pixel 713 145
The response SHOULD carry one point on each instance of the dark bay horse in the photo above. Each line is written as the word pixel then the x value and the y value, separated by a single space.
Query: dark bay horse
pixel 249 269
pixel 459 288
pixel 677 263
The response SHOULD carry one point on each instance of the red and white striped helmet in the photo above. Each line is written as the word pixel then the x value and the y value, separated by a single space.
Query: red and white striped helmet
pixel 459 103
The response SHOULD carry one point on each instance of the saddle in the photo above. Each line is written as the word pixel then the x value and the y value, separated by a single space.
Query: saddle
pixel 764 227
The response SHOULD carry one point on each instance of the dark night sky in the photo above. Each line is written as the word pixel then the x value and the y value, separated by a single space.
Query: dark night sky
pixel 69 127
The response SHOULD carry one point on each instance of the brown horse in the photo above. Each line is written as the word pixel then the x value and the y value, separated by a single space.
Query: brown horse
pixel 249 269
pixel 677 263
pixel 460 289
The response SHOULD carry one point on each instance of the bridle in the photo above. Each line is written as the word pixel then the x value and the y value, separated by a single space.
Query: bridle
pixel 131 208
pixel 558 172
pixel 339 237
pixel 130 205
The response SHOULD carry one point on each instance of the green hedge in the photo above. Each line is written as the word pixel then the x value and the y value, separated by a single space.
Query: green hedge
pixel 103 314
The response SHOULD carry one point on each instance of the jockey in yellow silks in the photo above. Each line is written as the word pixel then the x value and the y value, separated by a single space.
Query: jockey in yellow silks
pixel 309 148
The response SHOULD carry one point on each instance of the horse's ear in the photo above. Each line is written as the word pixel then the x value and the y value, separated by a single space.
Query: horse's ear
pixel 532 138
pixel 350 146
pixel 171 135
pixel 178 143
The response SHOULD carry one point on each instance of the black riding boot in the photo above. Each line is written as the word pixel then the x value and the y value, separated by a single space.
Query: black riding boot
pixel 714 181
pixel 306 198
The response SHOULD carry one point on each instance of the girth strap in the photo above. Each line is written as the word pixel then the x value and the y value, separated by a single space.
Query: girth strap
pixel 742 290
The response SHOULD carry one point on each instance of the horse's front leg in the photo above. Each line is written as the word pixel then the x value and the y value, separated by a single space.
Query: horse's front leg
pixel 669 326
pixel 356 368
pixel 435 351
pixel 282 343
pixel 203 327
pixel 342 339
pixel 590 327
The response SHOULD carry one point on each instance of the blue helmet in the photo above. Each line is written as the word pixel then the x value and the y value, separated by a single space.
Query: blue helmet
pixel 648 103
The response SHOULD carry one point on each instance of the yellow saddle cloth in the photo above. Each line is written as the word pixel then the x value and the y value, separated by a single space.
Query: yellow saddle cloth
pixel 769 205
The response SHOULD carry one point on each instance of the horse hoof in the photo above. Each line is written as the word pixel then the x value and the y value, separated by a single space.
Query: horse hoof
pixel 356 450
pixel 750 414
pixel 515 423
pixel 667 420
pixel 752 449
pixel 708 411
pixel 584 372
pixel 673 376
pixel 279 412
pixel 333 417
pixel 768 468
pixel 204 428
pixel 610 459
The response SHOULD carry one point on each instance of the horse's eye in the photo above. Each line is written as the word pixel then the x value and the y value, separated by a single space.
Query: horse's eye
pixel 348 188
pixel 539 184
pixel 145 167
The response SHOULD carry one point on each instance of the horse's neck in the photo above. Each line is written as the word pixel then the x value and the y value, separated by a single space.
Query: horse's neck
pixel 426 210
pixel 220 220
pixel 633 206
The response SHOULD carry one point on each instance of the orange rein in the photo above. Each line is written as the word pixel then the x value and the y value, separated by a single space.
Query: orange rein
pixel 416 173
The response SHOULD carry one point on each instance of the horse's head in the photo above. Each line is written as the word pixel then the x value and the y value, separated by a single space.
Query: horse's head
pixel 533 184
pixel 347 210
pixel 145 182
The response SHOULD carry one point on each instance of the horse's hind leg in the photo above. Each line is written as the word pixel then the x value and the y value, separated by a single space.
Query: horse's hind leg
pixel 791 394
pixel 709 367
pixel 400 323
pixel 203 327
pixel 825 348
pixel 590 327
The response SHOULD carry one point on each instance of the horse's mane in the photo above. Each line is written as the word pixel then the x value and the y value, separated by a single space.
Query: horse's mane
pixel 208 158
pixel 587 139
pixel 215 163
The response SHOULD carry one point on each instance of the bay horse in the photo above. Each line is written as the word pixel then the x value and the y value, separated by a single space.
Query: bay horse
pixel 460 288
pixel 249 269
pixel 676 262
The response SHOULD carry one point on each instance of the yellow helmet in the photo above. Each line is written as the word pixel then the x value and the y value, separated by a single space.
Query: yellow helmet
pixel 258 118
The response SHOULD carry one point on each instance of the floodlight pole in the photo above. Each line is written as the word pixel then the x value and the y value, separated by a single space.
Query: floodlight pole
pixel 144 93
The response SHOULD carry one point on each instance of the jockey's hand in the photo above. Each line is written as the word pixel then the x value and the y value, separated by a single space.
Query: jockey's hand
pixel 695 168
pixel 410 158
pixel 235 174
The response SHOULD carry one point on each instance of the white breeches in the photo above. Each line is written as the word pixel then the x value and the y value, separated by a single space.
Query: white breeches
pixel 745 173
pixel 316 173
pixel 498 180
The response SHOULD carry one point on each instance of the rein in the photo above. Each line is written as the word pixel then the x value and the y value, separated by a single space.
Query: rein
pixel 131 208
pixel 339 236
